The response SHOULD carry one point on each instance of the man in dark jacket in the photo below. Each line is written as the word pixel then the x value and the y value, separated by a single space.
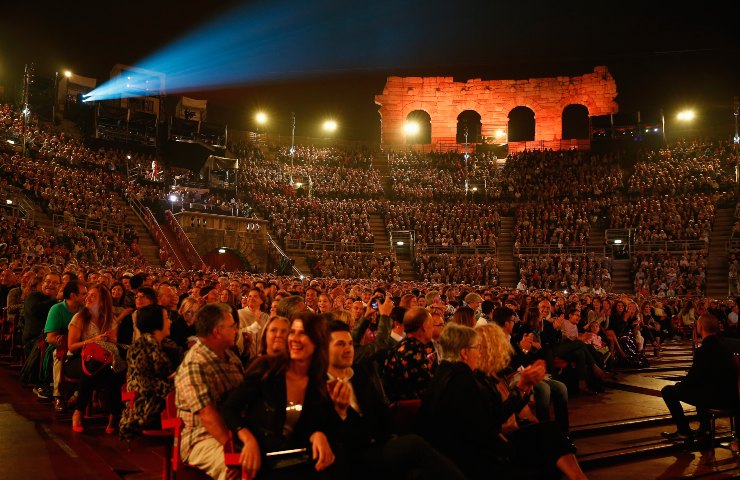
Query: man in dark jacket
pixel 710 382
pixel 368 448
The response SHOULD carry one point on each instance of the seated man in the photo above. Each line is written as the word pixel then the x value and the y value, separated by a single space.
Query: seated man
pixel 359 401
pixel 209 371
pixel 57 323
pixel 710 382
pixel 546 391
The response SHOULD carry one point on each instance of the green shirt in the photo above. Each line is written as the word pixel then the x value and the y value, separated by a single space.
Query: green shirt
pixel 58 319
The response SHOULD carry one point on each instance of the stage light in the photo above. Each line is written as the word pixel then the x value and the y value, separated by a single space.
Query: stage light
pixel 9 201
pixel 686 115
pixel 399 243
pixel 500 133
pixel 411 128
pixel 222 250
pixel 173 198
pixel 618 241
pixel 330 126
pixel 258 42
pixel 261 118
pixel 67 73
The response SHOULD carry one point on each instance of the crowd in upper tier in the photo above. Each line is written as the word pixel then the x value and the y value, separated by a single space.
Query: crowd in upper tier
pixel 555 198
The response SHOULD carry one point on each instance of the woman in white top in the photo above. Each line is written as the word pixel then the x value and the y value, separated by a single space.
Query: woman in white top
pixel 94 323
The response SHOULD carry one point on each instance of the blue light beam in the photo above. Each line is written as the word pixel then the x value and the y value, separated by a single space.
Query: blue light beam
pixel 289 40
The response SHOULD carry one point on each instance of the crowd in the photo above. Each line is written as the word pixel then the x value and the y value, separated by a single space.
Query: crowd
pixel 443 176
pixel 666 275
pixel 687 167
pixel 667 218
pixel 445 223
pixel 446 268
pixel 562 223
pixel 548 175
pixel 580 272
pixel 370 265
pixel 166 322
pixel 325 156
pixel 342 221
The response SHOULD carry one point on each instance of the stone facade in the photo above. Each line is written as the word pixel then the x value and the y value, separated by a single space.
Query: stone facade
pixel 444 99
pixel 210 232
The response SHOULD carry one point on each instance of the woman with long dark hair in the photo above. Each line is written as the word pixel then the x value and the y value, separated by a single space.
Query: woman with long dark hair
pixel 95 324
pixel 284 404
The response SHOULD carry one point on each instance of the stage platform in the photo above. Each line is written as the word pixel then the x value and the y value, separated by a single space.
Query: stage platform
pixel 617 434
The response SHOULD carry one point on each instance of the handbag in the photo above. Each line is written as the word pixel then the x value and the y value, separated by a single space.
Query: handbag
pixel 95 358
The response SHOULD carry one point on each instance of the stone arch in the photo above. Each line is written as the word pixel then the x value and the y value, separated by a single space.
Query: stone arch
pixel 230 260
pixel 424 121
pixel 575 123
pixel 521 127
pixel 472 120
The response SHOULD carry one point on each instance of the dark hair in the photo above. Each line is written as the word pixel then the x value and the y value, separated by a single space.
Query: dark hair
pixel 149 293
pixel 316 329
pixel 206 290
pixel 570 309
pixel 338 326
pixel 502 314
pixel 414 318
pixel 397 314
pixel 464 316
pixel 73 286
pixel 264 307
pixel 137 281
pixel 487 307
pixel 209 316
pixel 105 313
pixel 149 318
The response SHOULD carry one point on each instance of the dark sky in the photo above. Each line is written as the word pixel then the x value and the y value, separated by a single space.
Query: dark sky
pixel 661 56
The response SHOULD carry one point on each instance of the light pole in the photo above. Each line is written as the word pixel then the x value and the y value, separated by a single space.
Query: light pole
pixel 736 138
pixel 292 145
pixel 67 76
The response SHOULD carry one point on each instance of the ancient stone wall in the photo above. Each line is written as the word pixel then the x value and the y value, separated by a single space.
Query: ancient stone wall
pixel 444 99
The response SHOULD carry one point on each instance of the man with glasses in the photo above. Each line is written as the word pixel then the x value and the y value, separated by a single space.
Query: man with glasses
pixel 208 373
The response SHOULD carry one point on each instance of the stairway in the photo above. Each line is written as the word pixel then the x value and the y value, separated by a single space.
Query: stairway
pixel 149 249
pixel 717 266
pixel 622 276
pixel 507 272
pixel 176 246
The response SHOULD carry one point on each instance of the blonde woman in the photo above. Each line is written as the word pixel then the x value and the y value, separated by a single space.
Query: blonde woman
pixel 542 445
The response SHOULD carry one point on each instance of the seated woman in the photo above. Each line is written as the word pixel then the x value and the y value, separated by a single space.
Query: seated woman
pixel 283 404
pixel 94 323
pixel 182 331
pixel 274 338
pixel 149 373
pixel 462 412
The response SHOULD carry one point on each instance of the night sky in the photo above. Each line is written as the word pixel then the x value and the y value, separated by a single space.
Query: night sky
pixel 660 56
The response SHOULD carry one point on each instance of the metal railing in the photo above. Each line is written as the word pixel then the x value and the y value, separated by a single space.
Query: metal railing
pixel 279 251
pixel 554 249
pixel 458 249
pixel 298 244
pixel 14 199
pixel 159 236
pixel 671 246
pixel 183 238
pixel 86 223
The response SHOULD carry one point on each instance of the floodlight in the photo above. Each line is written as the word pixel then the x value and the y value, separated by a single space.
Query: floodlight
pixel 330 125
pixel 411 128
